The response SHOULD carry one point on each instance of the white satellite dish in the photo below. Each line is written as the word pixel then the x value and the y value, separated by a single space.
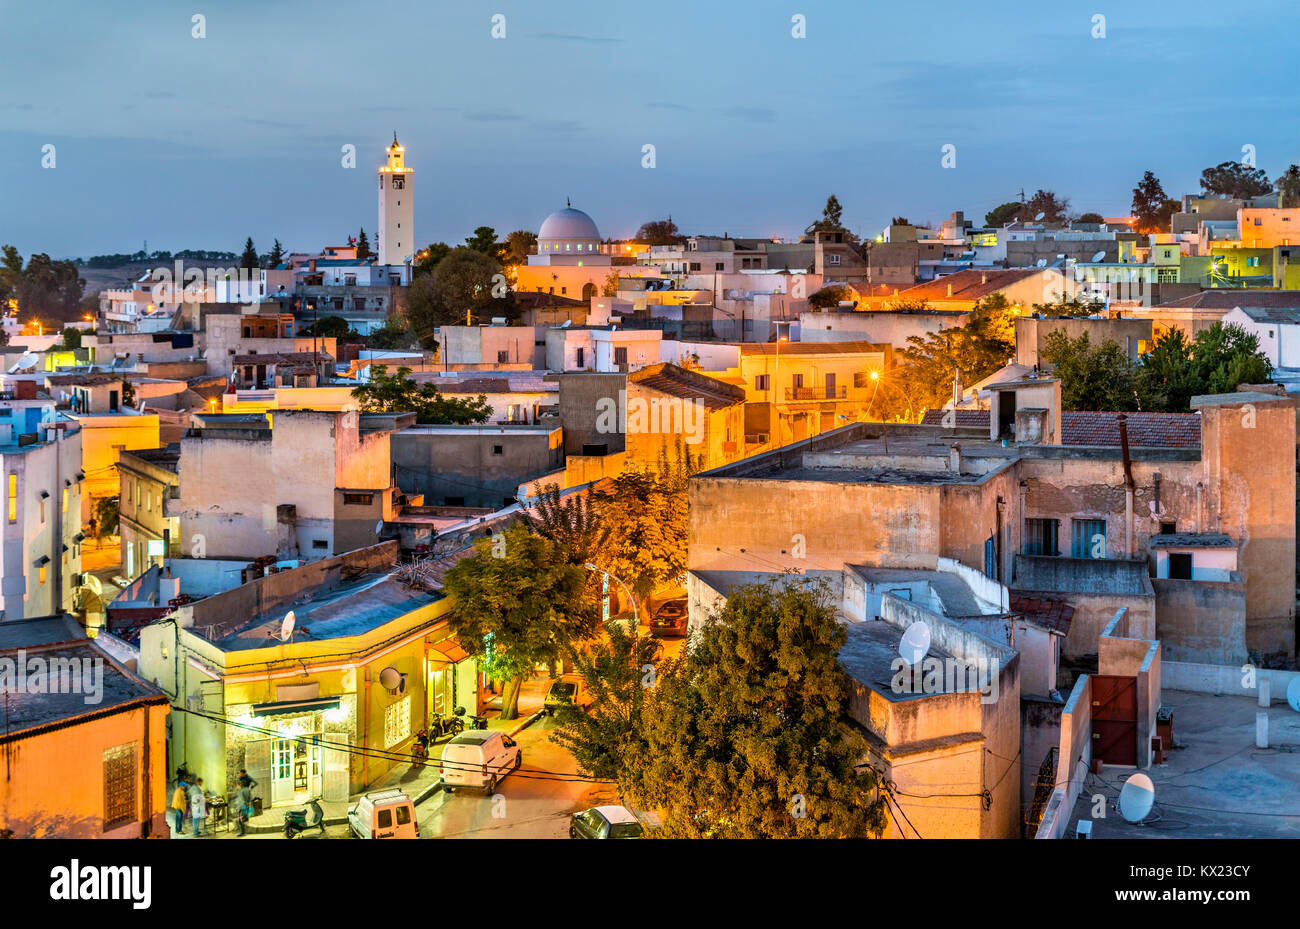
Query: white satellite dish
pixel 379 527
pixel 390 678
pixel 1136 798
pixel 915 643
pixel 1039 217
pixel 1042 263
pixel 286 626
pixel 1099 256
pixel 1293 694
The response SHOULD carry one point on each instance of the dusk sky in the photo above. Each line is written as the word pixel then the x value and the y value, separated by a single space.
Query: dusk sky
pixel 197 143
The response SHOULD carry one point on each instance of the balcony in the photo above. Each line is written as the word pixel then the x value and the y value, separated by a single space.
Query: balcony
pixel 816 393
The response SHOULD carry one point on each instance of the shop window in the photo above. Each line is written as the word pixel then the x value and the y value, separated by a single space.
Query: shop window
pixel 397 722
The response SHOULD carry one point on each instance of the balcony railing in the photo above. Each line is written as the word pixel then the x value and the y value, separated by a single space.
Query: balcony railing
pixel 816 393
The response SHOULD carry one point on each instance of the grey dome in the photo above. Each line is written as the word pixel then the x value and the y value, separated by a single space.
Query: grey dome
pixel 569 224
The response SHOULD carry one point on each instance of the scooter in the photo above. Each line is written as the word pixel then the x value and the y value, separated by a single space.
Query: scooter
pixel 447 725
pixel 296 821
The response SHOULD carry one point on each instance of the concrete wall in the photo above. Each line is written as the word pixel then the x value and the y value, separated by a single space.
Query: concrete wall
pixel 1032 333
pixel 460 462
pixel 1225 679
pixel 1202 621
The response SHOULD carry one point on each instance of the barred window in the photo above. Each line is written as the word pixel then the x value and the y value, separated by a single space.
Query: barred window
pixel 119 785
pixel 1040 537
pixel 1088 538
pixel 397 722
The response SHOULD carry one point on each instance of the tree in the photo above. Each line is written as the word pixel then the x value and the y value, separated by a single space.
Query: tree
pixel 276 257
pixel 363 246
pixel 1091 219
pixel 660 232
pixel 831 216
pixel 746 736
pixel 1054 209
pixel 646 512
pixel 1069 306
pixel 399 393
pixel 128 393
pixel 829 297
pixel 428 259
pixel 1288 188
pixel 1225 356
pixel 1152 207
pixel 519 245
pixel 1236 180
pixel 900 221
pixel 329 327
pixel 461 284
pixel 569 521
pixel 484 241
pixel 249 259
pixel 106 517
pixel 391 336
pixel 44 289
pixel 69 339
pixel 519 602
pixel 1093 377
pixel 1166 372
pixel 610 287
pixel 1002 214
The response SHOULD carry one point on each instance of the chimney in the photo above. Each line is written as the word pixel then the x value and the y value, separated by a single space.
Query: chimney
pixel 954 458
pixel 950 290
pixel 1122 421
pixel 984 277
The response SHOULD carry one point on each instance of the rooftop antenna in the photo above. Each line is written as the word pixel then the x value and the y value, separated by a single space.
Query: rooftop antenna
pixel 568 201
pixel 1137 798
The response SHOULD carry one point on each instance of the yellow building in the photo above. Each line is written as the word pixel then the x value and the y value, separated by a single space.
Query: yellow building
pixel 315 679
pixel 84 741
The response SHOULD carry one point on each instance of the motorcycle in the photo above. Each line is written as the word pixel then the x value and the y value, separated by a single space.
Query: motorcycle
pixel 296 821
pixel 444 726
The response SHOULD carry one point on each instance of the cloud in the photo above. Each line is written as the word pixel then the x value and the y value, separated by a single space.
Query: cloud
pixel 568 37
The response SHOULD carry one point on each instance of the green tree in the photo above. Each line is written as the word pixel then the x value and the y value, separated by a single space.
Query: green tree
pixel 128 393
pixel 829 297
pixel 428 259
pixel 747 736
pixel 519 602
pixel 276 257
pixel 1236 180
pixel 660 232
pixel 1002 214
pixel 1152 207
pixel 106 516
pixel 461 285
pixel 391 336
pixel 832 215
pixel 249 258
pixel 329 327
pixel 900 221
pixel 1054 209
pixel 519 245
pixel 363 246
pixel 70 339
pixel 569 521
pixel 45 289
pixel 1093 377
pixel 1167 374
pixel 399 393
pixel 610 287
pixel 1091 218
pixel 1288 188
pixel 484 241
pixel 1215 362
pixel 1070 305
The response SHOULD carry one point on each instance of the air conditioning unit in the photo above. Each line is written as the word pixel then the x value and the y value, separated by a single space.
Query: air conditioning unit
pixel 1083 829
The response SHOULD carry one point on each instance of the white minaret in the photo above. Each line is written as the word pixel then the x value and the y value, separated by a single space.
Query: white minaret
pixel 396 208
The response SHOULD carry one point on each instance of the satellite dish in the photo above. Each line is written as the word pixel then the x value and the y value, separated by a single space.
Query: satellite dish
pixel 915 643
pixel 390 678
pixel 1292 693
pixel 286 626
pixel 1042 263
pixel 1039 217
pixel 1099 256
pixel 1137 798
pixel 379 527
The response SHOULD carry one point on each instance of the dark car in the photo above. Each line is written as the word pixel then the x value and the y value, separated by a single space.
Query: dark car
pixel 669 620
pixel 605 822
pixel 566 692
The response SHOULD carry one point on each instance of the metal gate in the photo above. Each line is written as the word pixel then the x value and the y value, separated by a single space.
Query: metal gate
pixel 1114 719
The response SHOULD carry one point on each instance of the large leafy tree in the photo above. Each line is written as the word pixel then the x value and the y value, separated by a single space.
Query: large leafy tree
pixel 1093 376
pixel 276 257
pixel 569 521
pixel 429 258
pixel 747 736
pixel 1070 305
pixel 1225 356
pixel 660 232
pixel 1152 207
pixel 399 393
pixel 518 602
pixel 1236 180
pixel 1166 372
pixel 461 285
pixel 1002 214
pixel 519 245
pixel 1288 188
pixel 45 288
pixel 1054 209
pixel 484 241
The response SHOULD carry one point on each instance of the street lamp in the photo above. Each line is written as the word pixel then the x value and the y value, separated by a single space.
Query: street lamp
pixel 636 617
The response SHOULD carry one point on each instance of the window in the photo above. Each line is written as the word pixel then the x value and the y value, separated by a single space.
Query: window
pixel 1088 538
pixel 695 266
pixel 1180 566
pixel 834 259
pixel 620 355
pixel 319 543
pixel 13 498
pixel 504 357
pixel 796 381
pixel 397 722
pixel 119 785
pixel 498 449
pixel 580 358
pixel 717 266
pixel 1168 528
pixel 762 382
pixel 384 818
pixel 399 183
pixel 403 815
pixel 42 574
pixel 42 505
pixel 358 499
pixel 1040 537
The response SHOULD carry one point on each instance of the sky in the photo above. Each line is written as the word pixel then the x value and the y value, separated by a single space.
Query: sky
pixel 200 142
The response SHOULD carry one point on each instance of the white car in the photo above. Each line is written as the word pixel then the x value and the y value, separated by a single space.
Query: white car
pixel 479 758
pixel 384 814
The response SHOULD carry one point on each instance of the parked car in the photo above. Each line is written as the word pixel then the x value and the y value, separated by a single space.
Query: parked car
pixel 479 758
pixel 669 619
pixel 605 822
pixel 384 814
pixel 567 691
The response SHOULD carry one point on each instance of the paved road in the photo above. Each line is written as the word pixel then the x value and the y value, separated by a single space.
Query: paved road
pixel 528 804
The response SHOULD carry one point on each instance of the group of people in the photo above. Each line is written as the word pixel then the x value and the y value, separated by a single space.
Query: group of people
pixel 191 798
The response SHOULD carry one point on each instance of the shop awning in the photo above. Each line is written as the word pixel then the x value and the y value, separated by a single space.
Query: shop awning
pixel 284 707
pixel 445 653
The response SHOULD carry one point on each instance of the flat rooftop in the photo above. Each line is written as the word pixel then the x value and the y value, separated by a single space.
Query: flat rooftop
pixel 349 609
pixel 1214 784
pixel 869 652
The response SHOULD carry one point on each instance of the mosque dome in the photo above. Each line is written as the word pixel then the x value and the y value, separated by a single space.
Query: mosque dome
pixel 569 225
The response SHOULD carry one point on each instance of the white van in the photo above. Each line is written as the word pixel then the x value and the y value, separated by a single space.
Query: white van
pixel 384 814
pixel 479 758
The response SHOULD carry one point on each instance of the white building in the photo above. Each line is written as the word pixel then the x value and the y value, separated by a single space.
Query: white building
pixel 396 208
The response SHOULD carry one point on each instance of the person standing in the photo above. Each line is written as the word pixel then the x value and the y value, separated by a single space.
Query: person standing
pixel 244 806
pixel 178 806
pixel 198 806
